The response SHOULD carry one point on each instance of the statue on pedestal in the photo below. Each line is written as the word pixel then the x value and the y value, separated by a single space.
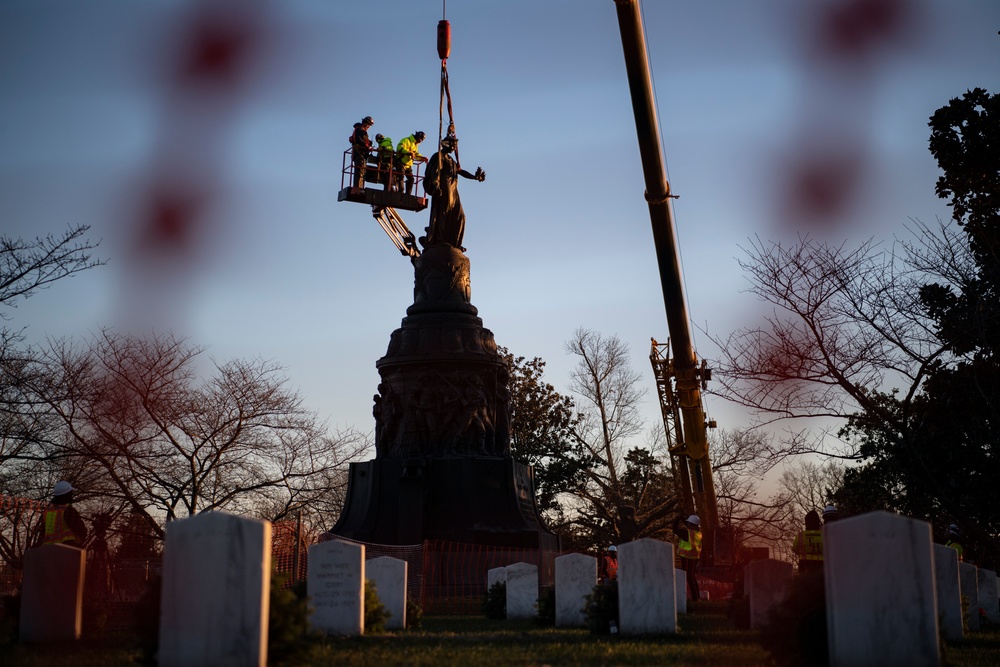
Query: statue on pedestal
pixel 447 219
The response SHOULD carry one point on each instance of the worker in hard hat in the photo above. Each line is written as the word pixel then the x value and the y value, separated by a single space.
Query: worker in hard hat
pixel 361 147
pixel 407 154
pixel 61 523
pixel 385 152
pixel 808 544
pixel 609 564
pixel 689 551
pixel 830 514
pixel 954 537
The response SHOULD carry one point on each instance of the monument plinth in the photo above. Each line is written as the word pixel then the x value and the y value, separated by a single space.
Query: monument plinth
pixel 442 468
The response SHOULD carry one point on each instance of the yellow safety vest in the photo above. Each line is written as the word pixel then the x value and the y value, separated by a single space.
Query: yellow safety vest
pixel 957 547
pixel 407 150
pixel 56 530
pixel 808 545
pixel 690 549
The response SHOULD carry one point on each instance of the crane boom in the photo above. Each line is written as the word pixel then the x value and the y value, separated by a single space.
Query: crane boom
pixel 693 449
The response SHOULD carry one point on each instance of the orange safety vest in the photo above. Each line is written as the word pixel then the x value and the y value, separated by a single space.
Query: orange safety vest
pixel 611 567
pixel 808 545
pixel 690 549
pixel 56 530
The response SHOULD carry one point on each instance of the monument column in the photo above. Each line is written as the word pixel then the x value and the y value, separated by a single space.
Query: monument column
pixel 442 467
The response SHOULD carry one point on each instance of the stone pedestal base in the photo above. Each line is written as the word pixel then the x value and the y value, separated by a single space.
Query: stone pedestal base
pixel 475 500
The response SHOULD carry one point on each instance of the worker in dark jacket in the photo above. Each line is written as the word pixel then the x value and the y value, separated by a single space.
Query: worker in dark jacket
pixel 61 523
pixel 361 147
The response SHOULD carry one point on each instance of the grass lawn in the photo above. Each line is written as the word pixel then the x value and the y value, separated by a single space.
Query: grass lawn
pixel 706 637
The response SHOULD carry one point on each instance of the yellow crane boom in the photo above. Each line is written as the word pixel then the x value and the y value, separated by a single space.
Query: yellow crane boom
pixel 681 373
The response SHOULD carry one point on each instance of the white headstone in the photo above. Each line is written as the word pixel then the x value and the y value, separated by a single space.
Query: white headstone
pixel 987 595
pixel 646 588
pixel 522 590
pixel 576 577
pixel 949 598
pixel 880 602
pixel 680 590
pixel 52 593
pixel 496 575
pixel 336 587
pixel 216 591
pixel 765 584
pixel 968 580
pixel 389 576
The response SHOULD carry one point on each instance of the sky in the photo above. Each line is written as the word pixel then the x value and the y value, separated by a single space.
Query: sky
pixel 101 122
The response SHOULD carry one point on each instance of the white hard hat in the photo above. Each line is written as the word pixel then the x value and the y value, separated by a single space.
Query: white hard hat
pixel 612 548
pixel 694 519
pixel 62 488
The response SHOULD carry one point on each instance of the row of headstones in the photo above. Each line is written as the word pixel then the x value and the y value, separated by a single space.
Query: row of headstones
pixel 889 589
pixel 885 583
pixel 216 590
pixel 651 592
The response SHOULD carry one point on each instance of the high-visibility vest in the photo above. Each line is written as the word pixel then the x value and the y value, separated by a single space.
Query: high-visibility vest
pixel 611 567
pixel 407 150
pixel 957 547
pixel 808 545
pixel 690 549
pixel 385 150
pixel 56 530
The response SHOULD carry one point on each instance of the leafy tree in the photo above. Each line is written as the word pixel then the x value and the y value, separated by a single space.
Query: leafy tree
pixel 541 433
pixel 943 466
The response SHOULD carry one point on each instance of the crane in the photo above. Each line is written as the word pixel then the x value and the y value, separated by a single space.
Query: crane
pixel 679 378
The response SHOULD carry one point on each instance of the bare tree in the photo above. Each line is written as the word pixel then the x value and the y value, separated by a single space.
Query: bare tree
pixel 626 492
pixel 810 485
pixel 846 327
pixel 26 427
pixel 145 430
pixel 27 266
pixel 740 459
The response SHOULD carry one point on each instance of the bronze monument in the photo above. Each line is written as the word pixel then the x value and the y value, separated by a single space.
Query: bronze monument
pixel 442 468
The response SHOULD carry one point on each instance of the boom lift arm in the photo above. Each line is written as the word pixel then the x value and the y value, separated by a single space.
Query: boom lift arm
pixel 692 446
